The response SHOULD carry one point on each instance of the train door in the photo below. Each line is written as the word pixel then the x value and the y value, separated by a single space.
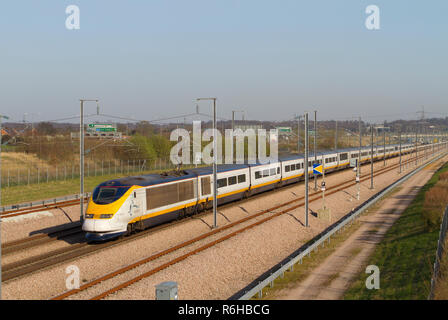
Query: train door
pixel 135 207
pixel 138 199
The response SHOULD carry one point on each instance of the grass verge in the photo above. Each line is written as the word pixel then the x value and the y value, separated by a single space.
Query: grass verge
pixel 441 288
pixel 405 257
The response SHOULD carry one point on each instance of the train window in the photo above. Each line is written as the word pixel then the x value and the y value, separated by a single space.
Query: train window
pixel 343 156
pixel 205 185
pixel 222 182
pixel 278 170
pixel 169 194
pixel 287 168
pixel 241 178
pixel 258 175
pixel 185 190
pixel 266 173
pixel 272 171
pixel 106 195
pixel 232 180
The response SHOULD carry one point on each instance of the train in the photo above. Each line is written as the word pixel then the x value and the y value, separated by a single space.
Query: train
pixel 123 206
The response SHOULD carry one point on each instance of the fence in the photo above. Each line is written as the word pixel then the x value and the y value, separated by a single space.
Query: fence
pixel 43 174
pixel 439 253
pixel 296 257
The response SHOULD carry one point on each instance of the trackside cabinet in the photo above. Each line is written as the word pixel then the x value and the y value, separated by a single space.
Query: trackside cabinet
pixel 166 291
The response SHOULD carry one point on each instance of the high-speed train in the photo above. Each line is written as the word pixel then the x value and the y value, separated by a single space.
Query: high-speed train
pixel 125 205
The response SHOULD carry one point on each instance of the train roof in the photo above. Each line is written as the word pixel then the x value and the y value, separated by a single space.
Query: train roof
pixel 151 179
pixel 220 168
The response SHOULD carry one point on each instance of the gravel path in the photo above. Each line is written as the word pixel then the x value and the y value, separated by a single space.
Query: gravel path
pixel 214 273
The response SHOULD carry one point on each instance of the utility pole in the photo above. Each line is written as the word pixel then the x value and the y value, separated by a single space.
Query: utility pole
pixel 215 161
pixel 315 137
pixel 306 169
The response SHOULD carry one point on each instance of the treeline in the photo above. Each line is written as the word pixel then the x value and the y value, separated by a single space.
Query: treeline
pixel 63 149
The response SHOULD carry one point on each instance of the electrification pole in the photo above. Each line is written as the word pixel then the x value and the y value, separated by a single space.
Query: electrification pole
pixel 315 137
pixel 371 156
pixel 399 134
pixel 298 132
pixel 1 117
pixel 233 117
pixel 359 160
pixel 81 155
pixel 416 150
pixel 336 137
pixel 306 169
pixel 215 161
pixel 384 144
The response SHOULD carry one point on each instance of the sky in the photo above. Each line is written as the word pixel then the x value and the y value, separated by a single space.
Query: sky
pixel 274 59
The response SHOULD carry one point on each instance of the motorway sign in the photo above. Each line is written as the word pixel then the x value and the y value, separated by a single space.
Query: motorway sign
pixel 284 129
pixel 317 168
pixel 102 127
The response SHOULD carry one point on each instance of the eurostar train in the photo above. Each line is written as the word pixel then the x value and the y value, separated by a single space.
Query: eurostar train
pixel 122 206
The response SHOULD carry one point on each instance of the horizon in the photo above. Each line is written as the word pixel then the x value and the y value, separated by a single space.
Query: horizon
pixel 274 60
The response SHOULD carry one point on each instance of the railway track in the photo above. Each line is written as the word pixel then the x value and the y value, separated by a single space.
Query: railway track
pixel 55 257
pixel 288 206
pixel 56 205
pixel 40 239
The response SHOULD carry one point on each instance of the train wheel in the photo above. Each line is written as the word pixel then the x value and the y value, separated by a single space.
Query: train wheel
pixel 199 207
pixel 128 230
pixel 189 211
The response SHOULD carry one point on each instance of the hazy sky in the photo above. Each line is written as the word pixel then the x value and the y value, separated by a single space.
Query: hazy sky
pixel 149 59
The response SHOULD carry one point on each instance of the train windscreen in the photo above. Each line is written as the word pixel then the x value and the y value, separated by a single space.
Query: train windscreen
pixel 107 194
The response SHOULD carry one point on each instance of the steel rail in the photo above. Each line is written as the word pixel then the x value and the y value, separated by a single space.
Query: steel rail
pixel 55 257
pixel 268 277
pixel 315 196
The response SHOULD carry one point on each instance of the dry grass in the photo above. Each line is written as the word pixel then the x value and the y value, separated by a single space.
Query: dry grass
pixel 20 161
pixel 435 202
pixel 441 288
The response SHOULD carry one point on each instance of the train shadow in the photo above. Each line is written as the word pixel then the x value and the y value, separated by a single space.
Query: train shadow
pixel 69 232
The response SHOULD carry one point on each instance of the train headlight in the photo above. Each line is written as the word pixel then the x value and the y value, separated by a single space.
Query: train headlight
pixel 106 216
pixel 89 216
